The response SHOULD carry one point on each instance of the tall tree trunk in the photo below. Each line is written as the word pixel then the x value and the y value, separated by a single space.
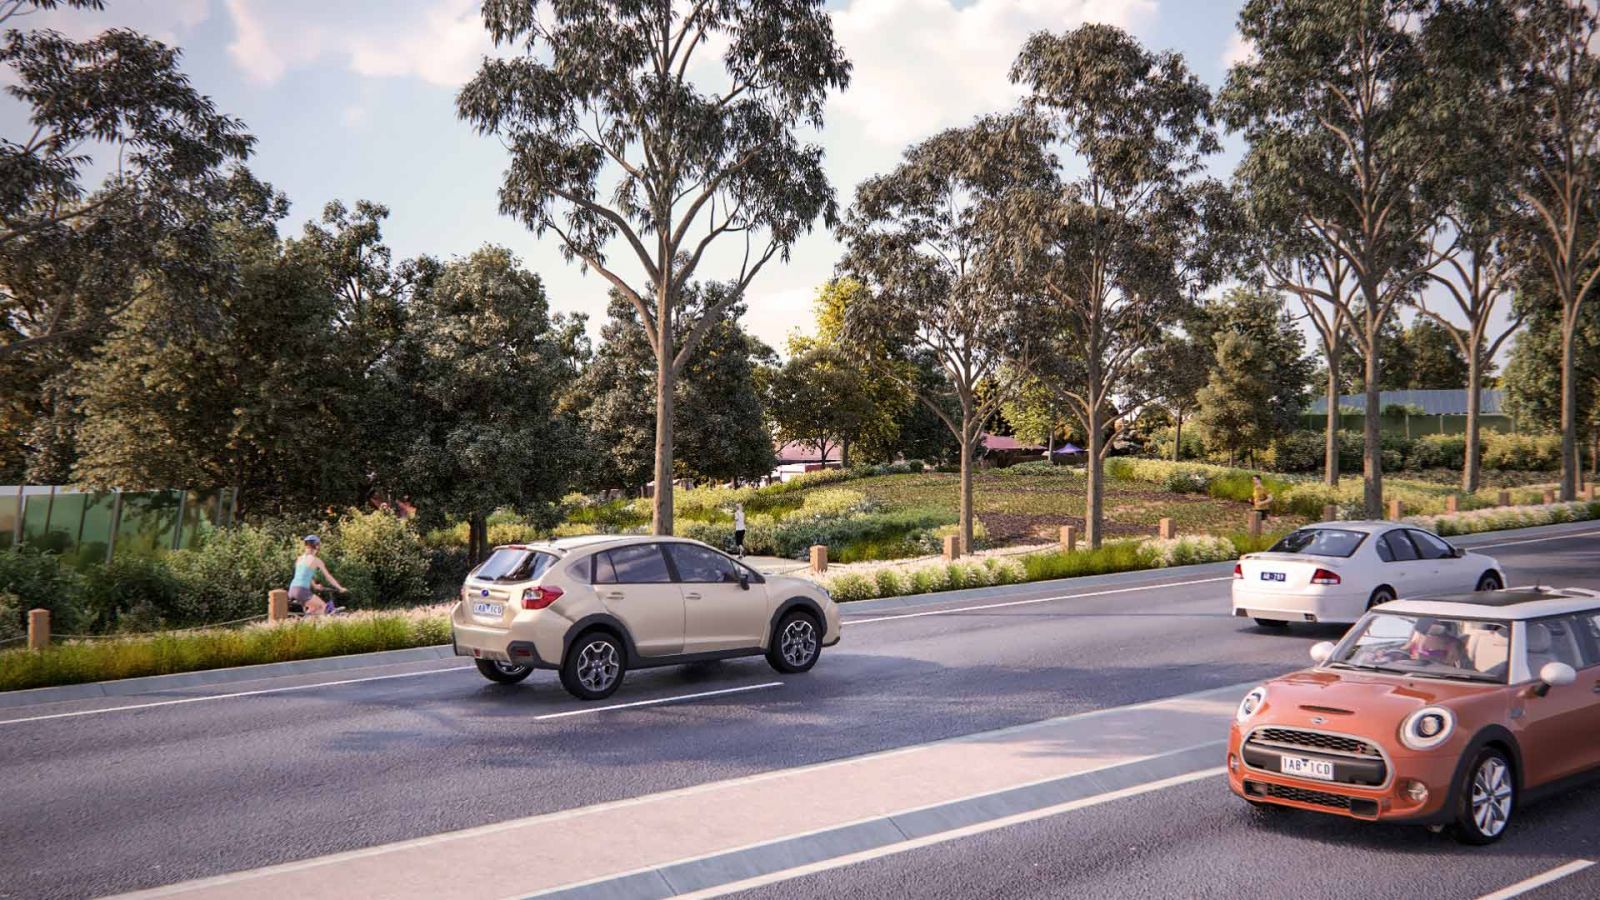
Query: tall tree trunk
pixel 1469 468
pixel 1372 453
pixel 477 538
pixel 1050 445
pixel 661 514
pixel 1094 500
pixel 1569 412
pixel 1177 438
pixel 1330 453
pixel 969 438
pixel 844 454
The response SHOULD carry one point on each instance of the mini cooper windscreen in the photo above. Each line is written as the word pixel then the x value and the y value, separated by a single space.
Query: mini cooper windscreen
pixel 1428 647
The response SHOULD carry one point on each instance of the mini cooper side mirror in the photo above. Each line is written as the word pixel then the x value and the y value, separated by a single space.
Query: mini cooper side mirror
pixel 1554 674
pixel 1321 652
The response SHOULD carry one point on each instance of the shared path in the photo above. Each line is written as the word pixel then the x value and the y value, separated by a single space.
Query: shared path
pixel 1057 739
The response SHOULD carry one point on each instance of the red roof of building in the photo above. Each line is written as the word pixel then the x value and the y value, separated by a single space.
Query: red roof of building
pixel 1003 442
pixel 803 452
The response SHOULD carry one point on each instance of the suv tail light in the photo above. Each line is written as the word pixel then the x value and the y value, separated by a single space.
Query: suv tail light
pixel 540 597
pixel 1238 570
pixel 1323 576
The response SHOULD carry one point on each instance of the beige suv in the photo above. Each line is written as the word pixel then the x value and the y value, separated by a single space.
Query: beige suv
pixel 594 607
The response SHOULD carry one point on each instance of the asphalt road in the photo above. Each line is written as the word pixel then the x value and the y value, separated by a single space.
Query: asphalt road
pixel 113 801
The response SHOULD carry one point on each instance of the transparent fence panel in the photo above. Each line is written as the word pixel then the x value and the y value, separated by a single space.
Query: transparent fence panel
pixel 35 515
pixel 94 535
pixel 9 507
pixel 199 517
pixel 66 518
pixel 149 523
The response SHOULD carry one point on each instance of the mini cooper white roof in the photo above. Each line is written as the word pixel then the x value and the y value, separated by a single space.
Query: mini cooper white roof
pixel 1512 605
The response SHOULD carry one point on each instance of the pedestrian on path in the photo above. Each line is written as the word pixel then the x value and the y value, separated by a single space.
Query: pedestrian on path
pixel 306 568
pixel 1260 500
pixel 738 529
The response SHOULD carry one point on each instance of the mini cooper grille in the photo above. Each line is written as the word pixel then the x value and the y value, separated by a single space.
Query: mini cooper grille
pixel 1300 795
pixel 1317 741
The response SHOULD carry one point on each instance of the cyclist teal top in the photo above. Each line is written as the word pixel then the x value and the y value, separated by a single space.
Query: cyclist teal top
pixel 303 573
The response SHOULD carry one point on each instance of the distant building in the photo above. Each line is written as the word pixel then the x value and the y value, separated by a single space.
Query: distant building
pixel 800 457
pixel 1001 450
pixel 1415 413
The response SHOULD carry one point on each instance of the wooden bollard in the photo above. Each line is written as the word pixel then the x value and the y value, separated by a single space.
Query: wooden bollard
pixel 1505 498
pixel 1549 497
pixel 819 558
pixel 1069 538
pixel 1330 512
pixel 1588 492
pixel 277 605
pixel 1452 504
pixel 1395 510
pixel 1253 521
pixel 38 629
pixel 1168 531
pixel 952 546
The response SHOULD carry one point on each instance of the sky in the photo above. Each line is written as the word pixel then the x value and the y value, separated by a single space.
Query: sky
pixel 355 99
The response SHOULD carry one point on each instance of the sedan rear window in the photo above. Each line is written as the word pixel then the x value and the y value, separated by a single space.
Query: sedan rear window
pixel 514 564
pixel 1320 542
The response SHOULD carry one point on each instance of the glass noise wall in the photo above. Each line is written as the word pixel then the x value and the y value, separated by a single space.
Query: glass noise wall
pixel 88 527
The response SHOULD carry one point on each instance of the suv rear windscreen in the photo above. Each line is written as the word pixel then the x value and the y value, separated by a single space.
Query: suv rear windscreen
pixel 514 564
pixel 1320 542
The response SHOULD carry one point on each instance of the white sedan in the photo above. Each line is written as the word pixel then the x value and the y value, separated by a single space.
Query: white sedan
pixel 1336 571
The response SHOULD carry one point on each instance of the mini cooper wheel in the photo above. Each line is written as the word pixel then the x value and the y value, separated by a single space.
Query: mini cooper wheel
pixel 1272 623
pixel 594 666
pixel 1380 596
pixel 502 672
pixel 1488 799
pixel 796 644
pixel 1490 582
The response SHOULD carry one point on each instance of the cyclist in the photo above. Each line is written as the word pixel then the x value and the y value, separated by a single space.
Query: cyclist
pixel 306 568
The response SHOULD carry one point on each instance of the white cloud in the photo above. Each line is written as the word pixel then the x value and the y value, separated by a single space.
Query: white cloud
pixel 440 43
pixel 1239 49
pixel 921 65
pixel 166 22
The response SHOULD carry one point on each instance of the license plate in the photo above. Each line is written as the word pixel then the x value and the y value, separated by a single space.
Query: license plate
pixel 1273 576
pixel 1320 769
pixel 489 610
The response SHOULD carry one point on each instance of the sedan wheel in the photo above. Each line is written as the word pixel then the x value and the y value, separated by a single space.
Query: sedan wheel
pixel 1487 799
pixel 1490 582
pixel 1379 597
pixel 594 667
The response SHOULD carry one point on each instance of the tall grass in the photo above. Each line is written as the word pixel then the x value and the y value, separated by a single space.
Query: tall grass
pixel 171 652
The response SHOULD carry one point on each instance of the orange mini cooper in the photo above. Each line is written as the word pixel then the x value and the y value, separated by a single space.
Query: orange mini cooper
pixel 1450 711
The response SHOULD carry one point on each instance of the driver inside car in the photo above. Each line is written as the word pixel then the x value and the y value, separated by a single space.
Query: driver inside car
pixel 1435 643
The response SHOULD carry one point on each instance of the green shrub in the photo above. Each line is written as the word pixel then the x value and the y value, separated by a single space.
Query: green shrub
pixel 1439 451
pixel 1299 451
pixel 13 618
pixel 1500 518
pixel 227 577
pixel 850 587
pixel 388 552
pixel 1035 468
pixel 132 594
pixel 1522 452
pixel 39 581
pixel 1113 556
pixel 1186 551
pixel 889 583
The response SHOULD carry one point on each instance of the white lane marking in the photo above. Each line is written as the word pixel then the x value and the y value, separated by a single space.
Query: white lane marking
pixel 1126 590
pixel 1539 881
pixel 659 700
pixel 1537 540
pixel 954 834
pixel 675 793
pixel 281 690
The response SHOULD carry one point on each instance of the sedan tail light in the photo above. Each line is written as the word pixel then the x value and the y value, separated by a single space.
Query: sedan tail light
pixel 1238 570
pixel 540 597
pixel 1323 576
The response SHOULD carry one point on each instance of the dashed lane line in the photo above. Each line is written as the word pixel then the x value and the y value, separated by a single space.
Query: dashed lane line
pixel 1029 602
pixel 659 700
pixel 1539 881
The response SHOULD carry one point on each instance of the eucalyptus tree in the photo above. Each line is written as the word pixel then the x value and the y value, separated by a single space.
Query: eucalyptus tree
pixel 659 130
pixel 1342 115
pixel 920 239
pixel 1117 234
pixel 1557 94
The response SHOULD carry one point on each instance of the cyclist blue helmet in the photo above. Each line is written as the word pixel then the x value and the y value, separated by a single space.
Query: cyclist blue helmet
pixel 313 540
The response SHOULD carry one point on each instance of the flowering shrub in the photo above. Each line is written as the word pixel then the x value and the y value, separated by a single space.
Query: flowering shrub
pixel 1500 518
pixel 1186 551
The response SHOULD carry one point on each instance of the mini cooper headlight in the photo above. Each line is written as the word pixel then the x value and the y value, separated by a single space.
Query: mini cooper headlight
pixel 1427 728
pixel 1251 703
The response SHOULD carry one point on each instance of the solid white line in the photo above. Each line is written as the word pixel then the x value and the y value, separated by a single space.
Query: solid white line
pixel 1537 540
pixel 1539 881
pixel 658 700
pixel 1125 590
pixel 281 690
pixel 954 834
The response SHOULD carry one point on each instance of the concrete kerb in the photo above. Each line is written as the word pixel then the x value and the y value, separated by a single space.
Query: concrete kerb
pixel 156 683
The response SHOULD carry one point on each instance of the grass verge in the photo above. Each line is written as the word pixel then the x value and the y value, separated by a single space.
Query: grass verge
pixel 194 651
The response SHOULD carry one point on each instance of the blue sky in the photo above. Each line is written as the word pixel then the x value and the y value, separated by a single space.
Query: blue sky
pixel 354 99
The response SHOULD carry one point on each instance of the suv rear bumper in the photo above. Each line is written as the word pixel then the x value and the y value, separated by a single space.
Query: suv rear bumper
pixel 537 644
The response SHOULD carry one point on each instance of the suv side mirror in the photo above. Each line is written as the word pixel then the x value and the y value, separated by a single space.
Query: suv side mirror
pixel 1321 652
